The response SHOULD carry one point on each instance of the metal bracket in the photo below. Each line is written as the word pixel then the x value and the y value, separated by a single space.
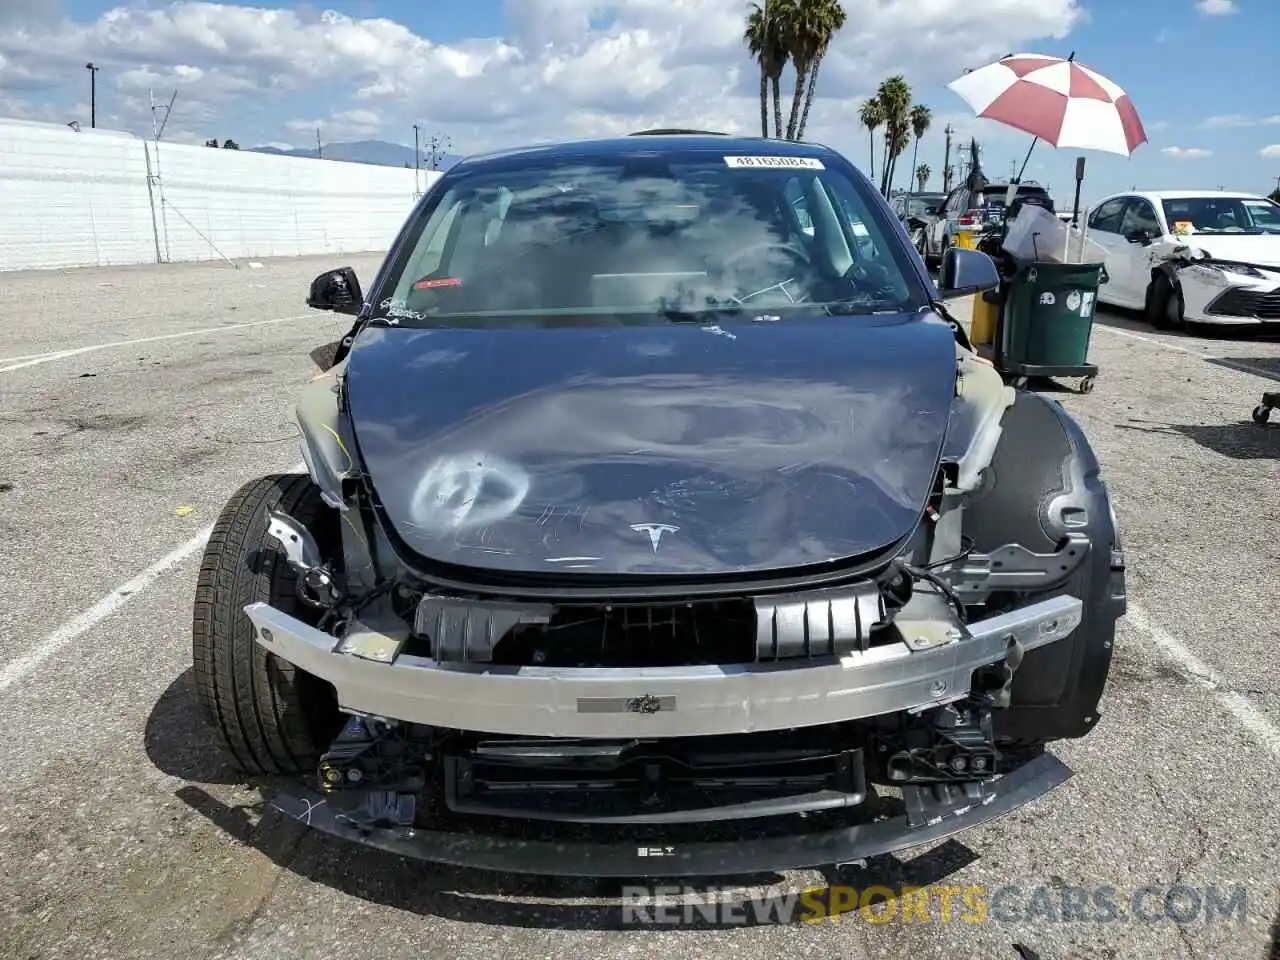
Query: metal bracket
pixel 316 586
pixel 928 621
pixel 1013 567
pixel 299 546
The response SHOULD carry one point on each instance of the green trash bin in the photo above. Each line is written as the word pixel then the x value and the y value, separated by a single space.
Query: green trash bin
pixel 1047 321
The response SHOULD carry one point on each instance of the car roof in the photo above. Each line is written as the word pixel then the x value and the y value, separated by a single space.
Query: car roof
pixel 1184 195
pixel 1004 185
pixel 651 143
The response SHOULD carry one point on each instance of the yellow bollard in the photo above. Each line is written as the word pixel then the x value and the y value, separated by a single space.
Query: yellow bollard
pixel 966 239
pixel 983 327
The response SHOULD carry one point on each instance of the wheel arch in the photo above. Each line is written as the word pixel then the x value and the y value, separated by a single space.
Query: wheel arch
pixel 1044 482
pixel 1165 270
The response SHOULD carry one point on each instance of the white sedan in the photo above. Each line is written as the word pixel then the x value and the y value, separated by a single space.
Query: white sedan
pixel 1191 256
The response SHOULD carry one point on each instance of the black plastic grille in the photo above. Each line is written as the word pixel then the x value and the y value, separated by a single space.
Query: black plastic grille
pixel 1239 302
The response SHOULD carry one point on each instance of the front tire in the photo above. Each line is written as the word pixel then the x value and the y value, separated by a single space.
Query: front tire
pixel 1164 304
pixel 272 717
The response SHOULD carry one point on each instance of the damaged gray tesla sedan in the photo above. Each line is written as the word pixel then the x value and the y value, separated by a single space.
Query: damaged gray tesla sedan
pixel 654 501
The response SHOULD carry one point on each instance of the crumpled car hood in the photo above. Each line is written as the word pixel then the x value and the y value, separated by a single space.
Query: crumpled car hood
pixel 1263 250
pixel 673 449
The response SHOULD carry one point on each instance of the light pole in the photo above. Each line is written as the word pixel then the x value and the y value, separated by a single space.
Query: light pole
pixel 93 93
pixel 417 160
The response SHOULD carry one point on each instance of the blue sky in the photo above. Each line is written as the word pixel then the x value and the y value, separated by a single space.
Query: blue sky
pixel 490 73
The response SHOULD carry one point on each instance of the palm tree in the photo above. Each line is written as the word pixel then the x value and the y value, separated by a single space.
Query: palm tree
pixel 894 97
pixel 823 18
pixel 811 25
pixel 922 176
pixel 756 37
pixel 765 37
pixel 871 116
pixel 920 118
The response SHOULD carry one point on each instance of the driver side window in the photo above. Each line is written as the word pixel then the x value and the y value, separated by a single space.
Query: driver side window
pixel 1139 215
pixel 1107 217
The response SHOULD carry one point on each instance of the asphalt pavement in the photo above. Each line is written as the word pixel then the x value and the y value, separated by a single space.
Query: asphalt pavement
pixel 134 401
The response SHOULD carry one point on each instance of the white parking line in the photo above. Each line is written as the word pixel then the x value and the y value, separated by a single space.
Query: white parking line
pixel 66 634
pixel 1164 345
pixel 26 665
pixel 31 360
pixel 1237 704
pixel 1154 342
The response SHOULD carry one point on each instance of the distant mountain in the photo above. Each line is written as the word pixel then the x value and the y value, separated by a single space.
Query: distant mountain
pixel 378 152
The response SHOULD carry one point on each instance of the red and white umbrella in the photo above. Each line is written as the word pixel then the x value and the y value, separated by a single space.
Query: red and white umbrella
pixel 1056 100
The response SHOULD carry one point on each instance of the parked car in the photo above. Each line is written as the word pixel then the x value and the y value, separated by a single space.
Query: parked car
pixel 917 211
pixel 965 209
pixel 1191 256
pixel 639 507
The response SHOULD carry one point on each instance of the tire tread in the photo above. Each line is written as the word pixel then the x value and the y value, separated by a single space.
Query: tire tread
pixel 253 698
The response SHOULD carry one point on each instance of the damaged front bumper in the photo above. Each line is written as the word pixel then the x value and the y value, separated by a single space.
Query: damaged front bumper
pixel 1229 293
pixel 913 673
pixel 535 806
pixel 932 814
pixel 631 772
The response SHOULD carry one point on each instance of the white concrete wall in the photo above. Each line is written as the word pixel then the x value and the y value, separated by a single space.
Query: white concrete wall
pixel 71 199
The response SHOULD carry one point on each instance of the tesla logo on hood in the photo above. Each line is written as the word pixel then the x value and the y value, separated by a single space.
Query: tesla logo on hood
pixel 655 532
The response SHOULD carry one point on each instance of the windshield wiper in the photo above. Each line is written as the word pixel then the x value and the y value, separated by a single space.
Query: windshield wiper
pixel 700 314
pixel 863 305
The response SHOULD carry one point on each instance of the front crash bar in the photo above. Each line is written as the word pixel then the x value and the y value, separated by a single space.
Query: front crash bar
pixel 797 851
pixel 702 700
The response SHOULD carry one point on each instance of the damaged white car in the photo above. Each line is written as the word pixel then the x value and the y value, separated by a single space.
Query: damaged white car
pixel 1191 257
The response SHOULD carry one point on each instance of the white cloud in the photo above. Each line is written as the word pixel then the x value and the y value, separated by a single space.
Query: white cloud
pixel 1226 120
pixel 1271 152
pixel 1187 153
pixel 563 67
pixel 1237 120
pixel 343 125
pixel 1216 8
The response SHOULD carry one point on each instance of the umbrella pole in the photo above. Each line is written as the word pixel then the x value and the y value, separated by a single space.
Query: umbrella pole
pixel 1026 160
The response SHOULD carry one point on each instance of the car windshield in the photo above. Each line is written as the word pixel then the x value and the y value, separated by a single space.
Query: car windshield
pixel 1221 215
pixel 993 197
pixel 646 235
pixel 919 206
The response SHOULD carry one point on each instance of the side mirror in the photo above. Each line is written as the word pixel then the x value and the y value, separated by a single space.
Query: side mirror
pixel 967 271
pixel 1139 236
pixel 336 290
pixel 931 211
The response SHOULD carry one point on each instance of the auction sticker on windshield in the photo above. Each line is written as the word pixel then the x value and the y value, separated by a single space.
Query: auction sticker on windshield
pixel 784 163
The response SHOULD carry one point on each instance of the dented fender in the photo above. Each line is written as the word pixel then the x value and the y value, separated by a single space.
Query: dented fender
pixel 329 453
pixel 327 443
